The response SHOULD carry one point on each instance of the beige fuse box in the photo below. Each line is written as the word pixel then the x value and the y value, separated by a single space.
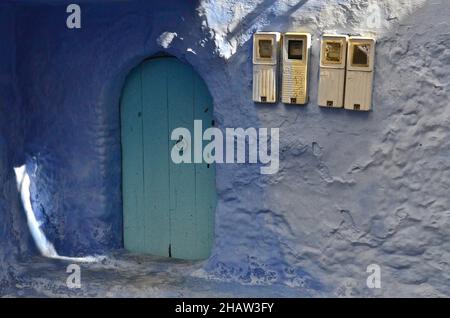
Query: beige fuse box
pixel 359 77
pixel 333 56
pixel 265 66
pixel 296 47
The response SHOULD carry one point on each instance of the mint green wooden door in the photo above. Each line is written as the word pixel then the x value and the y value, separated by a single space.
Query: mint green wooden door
pixel 168 209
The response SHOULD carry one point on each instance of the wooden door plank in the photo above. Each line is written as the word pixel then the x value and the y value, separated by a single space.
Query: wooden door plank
pixel 156 156
pixel 132 165
pixel 182 176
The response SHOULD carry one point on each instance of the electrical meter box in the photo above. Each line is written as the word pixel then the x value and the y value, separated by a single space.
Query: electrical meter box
pixel 296 47
pixel 265 66
pixel 333 56
pixel 359 77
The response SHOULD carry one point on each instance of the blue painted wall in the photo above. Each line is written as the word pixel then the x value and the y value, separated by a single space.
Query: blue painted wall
pixel 71 82
pixel 15 239
pixel 353 189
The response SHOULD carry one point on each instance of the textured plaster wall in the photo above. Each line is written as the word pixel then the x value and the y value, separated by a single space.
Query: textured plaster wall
pixel 14 238
pixel 6 74
pixel 353 188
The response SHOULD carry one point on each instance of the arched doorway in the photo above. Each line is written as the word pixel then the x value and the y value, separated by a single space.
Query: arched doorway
pixel 168 208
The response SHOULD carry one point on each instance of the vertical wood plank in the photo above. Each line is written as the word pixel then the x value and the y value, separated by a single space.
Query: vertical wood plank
pixel 132 163
pixel 182 176
pixel 156 156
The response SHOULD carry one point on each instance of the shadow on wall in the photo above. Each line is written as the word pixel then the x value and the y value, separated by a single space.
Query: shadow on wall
pixel 15 240
pixel 75 182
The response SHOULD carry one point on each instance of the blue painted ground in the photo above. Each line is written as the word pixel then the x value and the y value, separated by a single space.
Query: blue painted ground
pixel 128 275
